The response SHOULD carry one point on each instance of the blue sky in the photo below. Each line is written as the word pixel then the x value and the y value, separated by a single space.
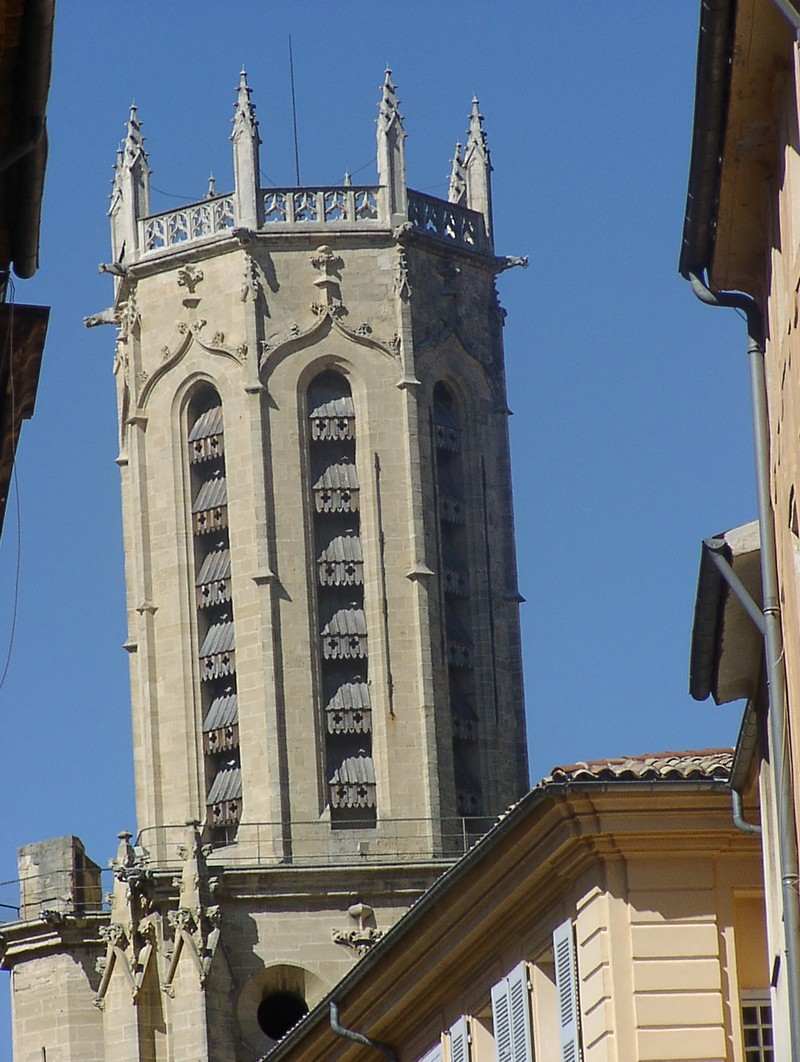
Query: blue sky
pixel 631 439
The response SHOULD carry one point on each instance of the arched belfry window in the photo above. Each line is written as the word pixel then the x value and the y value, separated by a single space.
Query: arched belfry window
pixel 216 645
pixel 456 589
pixel 338 577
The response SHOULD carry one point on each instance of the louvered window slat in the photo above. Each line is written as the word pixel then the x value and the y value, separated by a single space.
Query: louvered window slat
pixel 501 1019
pixel 511 1017
pixel 519 1006
pixel 567 990
pixel 459 1041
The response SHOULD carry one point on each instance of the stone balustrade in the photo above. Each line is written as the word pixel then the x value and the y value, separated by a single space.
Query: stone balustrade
pixel 302 209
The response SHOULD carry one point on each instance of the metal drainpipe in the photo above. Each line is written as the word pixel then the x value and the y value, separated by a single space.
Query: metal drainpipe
pixel 739 821
pixel 357 1037
pixel 773 644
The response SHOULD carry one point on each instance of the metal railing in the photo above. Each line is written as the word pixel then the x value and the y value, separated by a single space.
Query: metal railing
pixel 322 843
pixel 54 894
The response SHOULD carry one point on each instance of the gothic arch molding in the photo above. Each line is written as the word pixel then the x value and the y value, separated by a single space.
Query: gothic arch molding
pixel 273 354
pixel 175 353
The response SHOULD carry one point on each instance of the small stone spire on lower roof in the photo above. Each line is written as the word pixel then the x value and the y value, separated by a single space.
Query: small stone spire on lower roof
pixel 246 162
pixel 478 167
pixel 130 196
pixel 391 148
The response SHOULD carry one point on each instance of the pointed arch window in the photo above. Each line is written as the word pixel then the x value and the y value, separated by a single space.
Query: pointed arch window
pixel 214 604
pixel 345 712
pixel 456 587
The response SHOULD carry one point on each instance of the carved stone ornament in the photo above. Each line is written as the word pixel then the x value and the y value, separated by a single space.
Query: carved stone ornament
pixel 329 266
pixel 402 286
pixel 189 277
pixel 509 261
pixel 365 935
pixel 252 280
pixel 196 923
pixel 360 940
pixel 130 936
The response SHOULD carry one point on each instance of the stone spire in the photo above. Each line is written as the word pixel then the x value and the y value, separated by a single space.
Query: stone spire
pixel 130 194
pixel 246 166
pixel 457 192
pixel 478 167
pixel 391 148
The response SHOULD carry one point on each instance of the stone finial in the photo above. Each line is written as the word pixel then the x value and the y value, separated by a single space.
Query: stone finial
pixel 478 167
pixel 246 164
pixel 244 118
pixel 134 141
pixel 196 923
pixel 195 892
pixel 211 191
pixel 457 192
pixel 130 193
pixel 391 148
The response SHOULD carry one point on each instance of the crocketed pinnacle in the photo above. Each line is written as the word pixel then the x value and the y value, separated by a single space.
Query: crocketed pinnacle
pixel 476 137
pixel 388 113
pixel 133 148
pixel 244 118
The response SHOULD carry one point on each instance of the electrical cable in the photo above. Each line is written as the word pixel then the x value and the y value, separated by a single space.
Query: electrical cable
pixel 15 478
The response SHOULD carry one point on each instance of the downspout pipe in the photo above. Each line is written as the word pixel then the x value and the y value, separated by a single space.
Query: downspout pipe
pixel 773 642
pixel 359 1038
pixel 739 821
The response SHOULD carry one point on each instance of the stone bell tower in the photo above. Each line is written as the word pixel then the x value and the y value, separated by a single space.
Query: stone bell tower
pixel 321 586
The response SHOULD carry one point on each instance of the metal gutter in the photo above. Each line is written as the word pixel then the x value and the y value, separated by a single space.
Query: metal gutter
pixel 789 9
pixel 357 1037
pixel 710 107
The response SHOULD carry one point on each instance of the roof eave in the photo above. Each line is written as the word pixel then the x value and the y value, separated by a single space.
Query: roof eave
pixel 27 173
pixel 712 88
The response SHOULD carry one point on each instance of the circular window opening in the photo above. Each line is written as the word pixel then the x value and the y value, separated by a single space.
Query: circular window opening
pixel 279 1012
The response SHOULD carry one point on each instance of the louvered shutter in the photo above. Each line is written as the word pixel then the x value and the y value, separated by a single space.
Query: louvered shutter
pixel 567 989
pixel 501 1021
pixel 520 1009
pixel 434 1055
pixel 459 1041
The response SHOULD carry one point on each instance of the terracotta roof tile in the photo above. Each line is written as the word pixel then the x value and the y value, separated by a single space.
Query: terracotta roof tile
pixel 651 766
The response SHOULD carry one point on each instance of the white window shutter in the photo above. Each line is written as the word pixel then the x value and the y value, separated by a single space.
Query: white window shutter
pixel 459 1041
pixel 567 989
pixel 501 1021
pixel 520 1008
pixel 434 1055
pixel 511 1017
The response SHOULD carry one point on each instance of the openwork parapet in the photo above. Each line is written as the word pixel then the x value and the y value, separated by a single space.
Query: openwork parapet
pixel 359 206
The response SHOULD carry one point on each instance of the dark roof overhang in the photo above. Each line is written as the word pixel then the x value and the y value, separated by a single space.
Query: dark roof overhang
pixel 713 84
pixel 25 69
pixel 726 644
pixel 22 335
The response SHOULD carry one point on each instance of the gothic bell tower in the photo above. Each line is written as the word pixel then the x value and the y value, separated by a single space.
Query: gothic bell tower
pixel 321 585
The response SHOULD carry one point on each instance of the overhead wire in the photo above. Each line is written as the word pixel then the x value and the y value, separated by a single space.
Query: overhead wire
pixel 15 479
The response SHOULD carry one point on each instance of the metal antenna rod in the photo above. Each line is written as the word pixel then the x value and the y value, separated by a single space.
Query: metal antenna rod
pixel 294 114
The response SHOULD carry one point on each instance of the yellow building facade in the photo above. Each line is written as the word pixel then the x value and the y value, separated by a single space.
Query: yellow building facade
pixel 615 913
pixel 740 250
